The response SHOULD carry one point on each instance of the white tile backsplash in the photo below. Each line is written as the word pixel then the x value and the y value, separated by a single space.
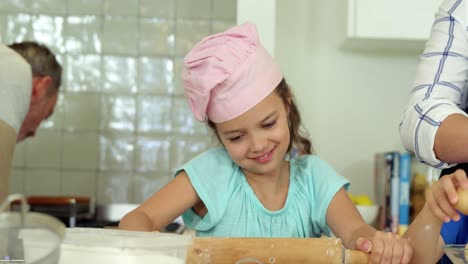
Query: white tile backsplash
pixel 154 114
pixel 118 113
pixel 119 74
pixel 19 156
pixel 146 184
pixel 17 181
pixel 157 8
pixel 83 34
pixel 183 120
pixel 42 182
pixel 114 187
pixel 121 125
pixel 82 111
pixel 224 10
pixel 48 30
pixel 54 7
pixel 120 36
pixel 156 75
pixel 15 27
pixel 121 8
pixel 12 6
pixel 200 9
pixel 189 33
pixel 79 183
pixel 83 73
pixel 152 153
pixel 85 7
pixel 157 37
pixel 80 150
pixel 46 150
pixel 184 148
pixel 117 152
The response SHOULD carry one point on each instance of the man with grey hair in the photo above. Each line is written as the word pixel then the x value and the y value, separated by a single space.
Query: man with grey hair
pixel 30 77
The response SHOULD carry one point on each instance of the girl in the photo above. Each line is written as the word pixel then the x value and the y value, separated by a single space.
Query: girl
pixel 247 187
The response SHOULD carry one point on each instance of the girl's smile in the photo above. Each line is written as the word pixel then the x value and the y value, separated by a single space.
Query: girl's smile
pixel 265 158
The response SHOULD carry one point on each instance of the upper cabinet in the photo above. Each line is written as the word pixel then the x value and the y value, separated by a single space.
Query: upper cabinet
pixel 402 22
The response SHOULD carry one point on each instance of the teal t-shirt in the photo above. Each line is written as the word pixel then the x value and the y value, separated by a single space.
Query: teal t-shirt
pixel 235 211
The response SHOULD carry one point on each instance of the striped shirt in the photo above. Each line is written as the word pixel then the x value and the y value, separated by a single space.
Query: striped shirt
pixel 439 88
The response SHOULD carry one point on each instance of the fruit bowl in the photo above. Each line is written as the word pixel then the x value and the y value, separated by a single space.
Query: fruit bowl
pixel 456 253
pixel 369 213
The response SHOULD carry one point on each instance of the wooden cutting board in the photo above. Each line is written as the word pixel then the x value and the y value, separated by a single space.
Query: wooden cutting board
pixel 272 250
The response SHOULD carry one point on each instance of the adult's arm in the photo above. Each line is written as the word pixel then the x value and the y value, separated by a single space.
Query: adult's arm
pixel 434 126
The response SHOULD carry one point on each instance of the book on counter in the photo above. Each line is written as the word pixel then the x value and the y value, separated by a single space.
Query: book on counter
pixel 392 180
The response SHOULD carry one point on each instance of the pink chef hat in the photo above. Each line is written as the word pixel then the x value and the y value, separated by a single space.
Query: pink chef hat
pixel 227 74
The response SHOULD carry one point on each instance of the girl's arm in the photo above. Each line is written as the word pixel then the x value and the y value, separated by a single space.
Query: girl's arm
pixel 345 220
pixel 346 223
pixel 163 207
pixel 424 237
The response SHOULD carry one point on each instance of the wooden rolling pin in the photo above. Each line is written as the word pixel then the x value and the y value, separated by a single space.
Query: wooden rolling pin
pixel 272 250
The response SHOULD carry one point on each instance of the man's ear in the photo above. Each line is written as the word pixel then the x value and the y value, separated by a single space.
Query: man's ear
pixel 40 86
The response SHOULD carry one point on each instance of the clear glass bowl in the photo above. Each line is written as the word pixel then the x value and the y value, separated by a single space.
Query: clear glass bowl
pixel 457 253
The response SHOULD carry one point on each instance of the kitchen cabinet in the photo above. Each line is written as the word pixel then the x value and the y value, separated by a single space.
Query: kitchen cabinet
pixel 401 22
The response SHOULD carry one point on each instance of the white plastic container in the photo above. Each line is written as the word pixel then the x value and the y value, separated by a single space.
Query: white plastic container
pixel 28 237
pixel 93 245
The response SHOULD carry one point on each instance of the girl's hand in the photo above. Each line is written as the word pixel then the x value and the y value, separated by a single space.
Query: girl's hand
pixel 386 247
pixel 442 196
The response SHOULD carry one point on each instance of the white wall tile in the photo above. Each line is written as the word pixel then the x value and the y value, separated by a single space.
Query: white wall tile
pixel 80 150
pixel 15 28
pixel 85 7
pixel 84 73
pixel 224 9
pixel 83 34
pixel 146 184
pixel 157 8
pixel 152 153
pixel 79 183
pixel 54 7
pixel 117 151
pixel 121 7
pixel 114 187
pixel 48 30
pixel 189 33
pixel 120 36
pixel 157 37
pixel 185 148
pixel 82 111
pixel 118 113
pixel 178 84
pixel 154 114
pixel 183 120
pixel 19 156
pixel 45 151
pixel 156 76
pixel 17 181
pixel 119 75
pixel 220 26
pixel 13 6
pixel 42 182
pixel 200 9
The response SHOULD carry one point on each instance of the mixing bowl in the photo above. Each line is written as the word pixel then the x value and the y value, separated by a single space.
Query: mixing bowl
pixel 456 253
